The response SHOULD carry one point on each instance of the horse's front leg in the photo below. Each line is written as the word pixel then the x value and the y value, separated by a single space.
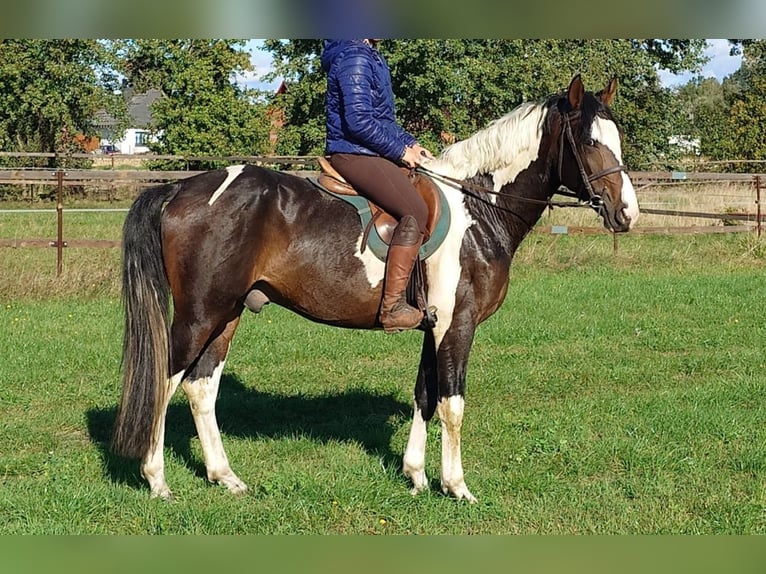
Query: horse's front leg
pixel 452 362
pixel 414 463
pixel 450 411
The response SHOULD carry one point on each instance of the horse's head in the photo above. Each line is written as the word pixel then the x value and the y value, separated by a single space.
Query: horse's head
pixel 590 155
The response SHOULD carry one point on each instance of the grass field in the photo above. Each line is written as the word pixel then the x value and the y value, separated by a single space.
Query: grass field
pixel 611 393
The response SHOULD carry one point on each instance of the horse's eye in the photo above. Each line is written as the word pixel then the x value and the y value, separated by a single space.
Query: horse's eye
pixel 590 142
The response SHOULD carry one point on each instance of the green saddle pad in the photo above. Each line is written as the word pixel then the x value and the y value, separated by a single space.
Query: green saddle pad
pixel 374 241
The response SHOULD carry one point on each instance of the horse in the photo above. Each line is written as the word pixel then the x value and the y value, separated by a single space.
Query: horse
pixel 232 239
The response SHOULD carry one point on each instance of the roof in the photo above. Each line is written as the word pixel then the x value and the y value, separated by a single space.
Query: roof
pixel 139 109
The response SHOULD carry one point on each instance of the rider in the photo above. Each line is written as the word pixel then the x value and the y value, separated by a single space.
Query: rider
pixel 366 145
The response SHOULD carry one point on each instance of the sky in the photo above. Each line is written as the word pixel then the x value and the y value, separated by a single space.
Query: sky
pixel 721 64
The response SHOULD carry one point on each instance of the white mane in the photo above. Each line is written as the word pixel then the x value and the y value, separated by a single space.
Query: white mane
pixel 503 149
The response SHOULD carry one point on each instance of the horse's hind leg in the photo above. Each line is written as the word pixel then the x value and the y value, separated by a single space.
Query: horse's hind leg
pixel 201 387
pixel 153 463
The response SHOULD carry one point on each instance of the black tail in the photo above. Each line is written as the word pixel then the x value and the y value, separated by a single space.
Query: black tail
pixel 146 351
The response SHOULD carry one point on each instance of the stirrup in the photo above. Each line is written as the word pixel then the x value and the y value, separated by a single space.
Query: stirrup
pixel 400 308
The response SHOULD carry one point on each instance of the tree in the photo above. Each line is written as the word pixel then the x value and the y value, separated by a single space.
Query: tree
pixel 747 112
pixel 50 91
pixel 203 111
pixel 448 88
pixel 302 104
pixel 704 113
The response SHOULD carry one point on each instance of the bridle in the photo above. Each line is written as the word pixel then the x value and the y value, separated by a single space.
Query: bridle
pixel 595 200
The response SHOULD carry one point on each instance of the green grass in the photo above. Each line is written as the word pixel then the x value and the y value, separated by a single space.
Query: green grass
pixel 610 394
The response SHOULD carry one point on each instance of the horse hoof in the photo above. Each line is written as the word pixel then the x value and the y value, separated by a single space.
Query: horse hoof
pixel 460 492
pixel 163 494
pixel 419 481
pixel 233 484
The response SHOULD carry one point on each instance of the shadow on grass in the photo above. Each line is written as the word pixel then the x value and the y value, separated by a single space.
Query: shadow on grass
pixel 357 416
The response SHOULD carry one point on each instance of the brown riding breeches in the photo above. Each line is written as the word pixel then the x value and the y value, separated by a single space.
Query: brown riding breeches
pixel 383 183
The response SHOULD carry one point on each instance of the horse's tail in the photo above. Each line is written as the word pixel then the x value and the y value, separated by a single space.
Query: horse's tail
pixel 145 350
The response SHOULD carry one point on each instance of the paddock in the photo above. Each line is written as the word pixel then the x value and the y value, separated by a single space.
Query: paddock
pixel 642 418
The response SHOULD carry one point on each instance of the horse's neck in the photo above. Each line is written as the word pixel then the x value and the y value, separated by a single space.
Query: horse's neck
pixel 507 215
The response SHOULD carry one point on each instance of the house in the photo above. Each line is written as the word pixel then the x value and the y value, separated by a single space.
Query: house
pixel 686 144
pixel 139 134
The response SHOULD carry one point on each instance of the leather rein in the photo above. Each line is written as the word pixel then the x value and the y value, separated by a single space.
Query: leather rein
pixel 595 201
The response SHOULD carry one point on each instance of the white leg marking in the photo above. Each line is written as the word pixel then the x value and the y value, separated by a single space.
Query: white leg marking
pixel 452 480
pixel 202 395
pixel 415 454
pixel 153 464
pixel 606 132
pixel 233 173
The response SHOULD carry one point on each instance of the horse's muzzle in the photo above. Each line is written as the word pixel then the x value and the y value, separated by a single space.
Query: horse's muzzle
pixel 614 215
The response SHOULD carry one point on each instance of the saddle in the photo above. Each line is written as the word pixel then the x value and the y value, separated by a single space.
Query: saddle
pixel 383 222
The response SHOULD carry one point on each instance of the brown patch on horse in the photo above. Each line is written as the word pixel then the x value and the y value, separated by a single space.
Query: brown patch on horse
pixel 607 94
pixel 576 92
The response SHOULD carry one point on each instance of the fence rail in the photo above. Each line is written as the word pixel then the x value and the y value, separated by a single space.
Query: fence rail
pixel 111 178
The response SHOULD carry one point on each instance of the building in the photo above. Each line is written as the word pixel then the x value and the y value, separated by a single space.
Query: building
pixel 139 134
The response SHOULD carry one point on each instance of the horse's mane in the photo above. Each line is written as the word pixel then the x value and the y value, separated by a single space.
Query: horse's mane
pixel 510 143
pixel 504 148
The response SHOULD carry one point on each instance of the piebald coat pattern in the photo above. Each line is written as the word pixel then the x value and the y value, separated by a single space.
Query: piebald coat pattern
pixel 242 237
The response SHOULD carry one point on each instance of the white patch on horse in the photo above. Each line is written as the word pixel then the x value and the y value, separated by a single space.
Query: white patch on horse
pixel 503 149
pixel 202 394
pixel 450 412
pixel 153 463
pixel 414 463
pixel 606 132
pixel 443 267
pixel 374 268
pixel 233 173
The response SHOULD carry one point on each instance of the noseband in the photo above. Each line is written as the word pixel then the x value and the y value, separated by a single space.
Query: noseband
pixel 595 200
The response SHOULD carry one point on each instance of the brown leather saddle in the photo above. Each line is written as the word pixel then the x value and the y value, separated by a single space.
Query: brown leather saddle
pixel 385 223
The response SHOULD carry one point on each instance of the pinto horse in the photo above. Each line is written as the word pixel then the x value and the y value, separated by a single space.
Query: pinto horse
pixel 226 240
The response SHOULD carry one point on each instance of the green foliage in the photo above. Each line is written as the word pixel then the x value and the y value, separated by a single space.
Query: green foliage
pixel 50 91
pixel 203 113
pixel 452 88
pixel 703 115
pixel 728 117
pixel 747 113
pixel 297 62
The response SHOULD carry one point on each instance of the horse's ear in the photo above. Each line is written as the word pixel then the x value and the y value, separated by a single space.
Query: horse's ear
pixel 576 92
pixel 607 94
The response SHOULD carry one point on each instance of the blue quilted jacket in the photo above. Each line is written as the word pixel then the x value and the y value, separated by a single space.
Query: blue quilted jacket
pixel 360 102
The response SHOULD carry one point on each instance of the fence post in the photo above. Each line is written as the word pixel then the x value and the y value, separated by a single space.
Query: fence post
pixel 758 203
pixel 60 215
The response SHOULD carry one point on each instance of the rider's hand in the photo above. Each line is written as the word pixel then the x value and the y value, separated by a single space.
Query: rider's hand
pixel 414 155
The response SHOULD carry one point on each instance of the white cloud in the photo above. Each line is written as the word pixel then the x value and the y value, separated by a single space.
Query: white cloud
pixel 720 65
pixel 262 61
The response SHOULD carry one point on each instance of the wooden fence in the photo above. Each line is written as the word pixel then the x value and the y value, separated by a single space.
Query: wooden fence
pixel 109 179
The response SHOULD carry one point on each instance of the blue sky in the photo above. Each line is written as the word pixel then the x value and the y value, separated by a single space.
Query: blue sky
pixel 719 66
